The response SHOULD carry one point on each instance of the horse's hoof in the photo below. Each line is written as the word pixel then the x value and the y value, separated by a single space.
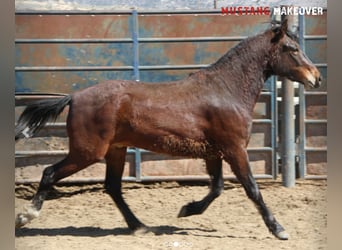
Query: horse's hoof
pixel 137 226
pixel 21 220
pixel 190 209
pixel 24 218
pixel 282 235
pixel 143 230
pixel 183 212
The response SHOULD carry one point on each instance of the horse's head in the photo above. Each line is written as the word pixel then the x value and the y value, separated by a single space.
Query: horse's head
pixel 289 61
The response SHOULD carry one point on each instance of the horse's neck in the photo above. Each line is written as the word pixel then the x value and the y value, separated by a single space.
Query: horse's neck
pixel 243 71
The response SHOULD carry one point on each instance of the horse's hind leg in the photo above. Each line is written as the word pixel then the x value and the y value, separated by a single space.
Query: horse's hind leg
pixel 214 168
pixel 51 175
pixel 238 160
pixel 115 161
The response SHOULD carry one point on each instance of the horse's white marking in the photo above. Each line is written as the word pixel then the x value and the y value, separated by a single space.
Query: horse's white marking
pixel 26 133
pixel 23 218
pixel 311 78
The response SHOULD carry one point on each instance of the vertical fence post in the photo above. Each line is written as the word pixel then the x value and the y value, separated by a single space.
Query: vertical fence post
pixel 274 129
pixel 302 109
pixel 288 121
pixel 135 37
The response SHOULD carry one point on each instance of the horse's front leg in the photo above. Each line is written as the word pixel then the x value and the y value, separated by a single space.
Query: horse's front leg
pixel 214 168
pixel 238 160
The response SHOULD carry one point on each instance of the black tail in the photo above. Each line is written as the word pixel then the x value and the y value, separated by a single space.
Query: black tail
pixel 36 115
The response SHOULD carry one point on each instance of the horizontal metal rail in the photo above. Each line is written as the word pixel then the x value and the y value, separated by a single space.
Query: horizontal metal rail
pixel 265 121
pixel 312 121
pixel 116 12
pixel 324 93
pixel 192 39
pixel 167 67
pixel 35 153
pixel 121 40
pixel 316 149
pixel 72 40
pixel 40 95
pixel 129 40
pixel 111 68
pixel 106 68
pixel 315 37
pixel 316 177
pixel 31 153
pixel 71 68
pixel 122 12
pixel 62 125
pixel 23 99
pixel 157 178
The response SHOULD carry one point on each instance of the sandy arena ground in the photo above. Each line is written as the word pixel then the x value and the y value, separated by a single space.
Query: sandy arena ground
pixel 84 217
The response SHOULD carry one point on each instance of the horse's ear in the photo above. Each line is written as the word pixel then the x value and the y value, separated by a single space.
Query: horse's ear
pixel 280 32
pixel 284 26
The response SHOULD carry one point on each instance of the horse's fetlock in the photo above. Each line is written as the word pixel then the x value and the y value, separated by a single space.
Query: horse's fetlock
pixel 217 192
pixel 48 176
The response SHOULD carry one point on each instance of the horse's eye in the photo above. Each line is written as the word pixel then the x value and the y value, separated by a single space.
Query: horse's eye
pixel 295 52
pixel 290 48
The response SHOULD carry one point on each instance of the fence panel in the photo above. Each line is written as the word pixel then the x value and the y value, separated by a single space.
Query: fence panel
pixel 72 50
pixel 312 152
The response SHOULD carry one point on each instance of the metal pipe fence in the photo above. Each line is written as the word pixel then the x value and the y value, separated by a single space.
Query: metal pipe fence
pixel 135 40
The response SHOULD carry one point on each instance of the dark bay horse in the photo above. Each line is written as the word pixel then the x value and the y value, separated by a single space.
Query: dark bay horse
pixel 207 115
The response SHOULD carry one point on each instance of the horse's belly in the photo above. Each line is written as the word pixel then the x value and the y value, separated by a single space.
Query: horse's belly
pixel 187 147
pixel 176 146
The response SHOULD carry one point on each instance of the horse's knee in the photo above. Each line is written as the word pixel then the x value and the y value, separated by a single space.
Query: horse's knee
pixel 252 190
pixel 253 193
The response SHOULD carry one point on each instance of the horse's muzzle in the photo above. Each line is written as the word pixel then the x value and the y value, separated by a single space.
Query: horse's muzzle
pixel 318 82
pixel 314 79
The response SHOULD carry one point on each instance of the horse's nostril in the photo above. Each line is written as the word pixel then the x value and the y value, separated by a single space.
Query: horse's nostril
pixel 318 82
